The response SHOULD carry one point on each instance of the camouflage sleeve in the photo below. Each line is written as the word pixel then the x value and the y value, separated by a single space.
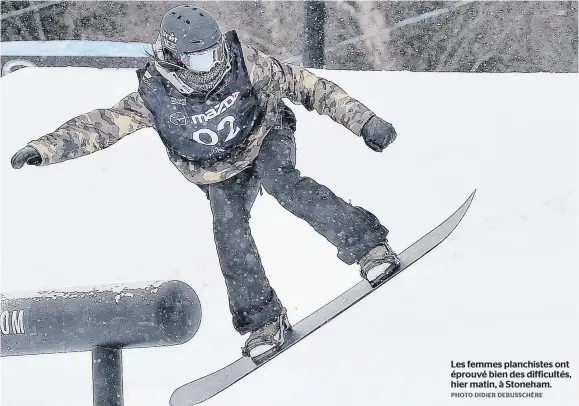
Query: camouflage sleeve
pixel 94 131
pixel 302 87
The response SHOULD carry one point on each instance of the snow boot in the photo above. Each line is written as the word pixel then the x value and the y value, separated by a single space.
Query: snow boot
pixel 267 338
pixel 378 264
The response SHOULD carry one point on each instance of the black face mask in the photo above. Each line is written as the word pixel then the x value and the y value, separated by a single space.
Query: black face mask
pixel 203 81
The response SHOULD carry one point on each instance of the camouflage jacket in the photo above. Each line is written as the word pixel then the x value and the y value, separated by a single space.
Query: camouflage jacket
pixel 274 80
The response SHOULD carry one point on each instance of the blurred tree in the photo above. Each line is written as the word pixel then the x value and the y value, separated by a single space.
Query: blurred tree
pixel 314 33
pixel 526 36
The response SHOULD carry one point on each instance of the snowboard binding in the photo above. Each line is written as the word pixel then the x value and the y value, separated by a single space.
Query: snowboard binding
pixel 268 339
pixel 379 264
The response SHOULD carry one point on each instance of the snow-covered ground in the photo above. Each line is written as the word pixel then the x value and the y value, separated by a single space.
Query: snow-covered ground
pixel 502 287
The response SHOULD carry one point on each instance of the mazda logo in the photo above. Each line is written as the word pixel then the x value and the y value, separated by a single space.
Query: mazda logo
pixel 178 118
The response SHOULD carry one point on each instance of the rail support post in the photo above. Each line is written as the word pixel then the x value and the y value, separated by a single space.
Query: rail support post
pixel 107 376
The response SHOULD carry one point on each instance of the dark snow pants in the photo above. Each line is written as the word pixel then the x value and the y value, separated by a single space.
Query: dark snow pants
pixel 352 230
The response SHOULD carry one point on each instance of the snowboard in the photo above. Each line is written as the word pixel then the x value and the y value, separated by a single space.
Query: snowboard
pixel 200 390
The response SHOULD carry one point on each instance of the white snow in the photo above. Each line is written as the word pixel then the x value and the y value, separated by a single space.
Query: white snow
pixel 502 287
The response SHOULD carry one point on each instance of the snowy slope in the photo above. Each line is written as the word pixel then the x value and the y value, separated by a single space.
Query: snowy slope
pixel 503 286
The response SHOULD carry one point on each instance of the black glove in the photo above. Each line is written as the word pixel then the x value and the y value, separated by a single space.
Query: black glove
pixel 26 155
pixel 378 134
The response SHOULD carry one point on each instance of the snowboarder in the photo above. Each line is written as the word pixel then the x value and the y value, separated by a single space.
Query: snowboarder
pixel 216 104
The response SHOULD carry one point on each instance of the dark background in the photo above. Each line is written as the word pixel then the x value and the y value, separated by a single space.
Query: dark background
pixel 497 36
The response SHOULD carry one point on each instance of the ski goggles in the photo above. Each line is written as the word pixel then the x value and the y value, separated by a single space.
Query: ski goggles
pixel 203 61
